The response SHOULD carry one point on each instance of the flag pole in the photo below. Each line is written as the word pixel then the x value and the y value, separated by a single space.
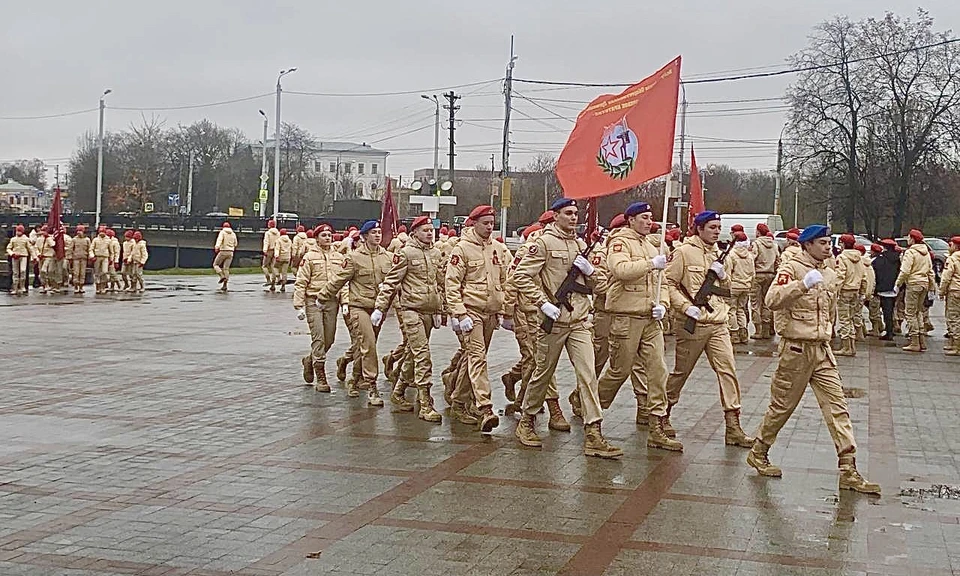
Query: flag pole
pixel 667 194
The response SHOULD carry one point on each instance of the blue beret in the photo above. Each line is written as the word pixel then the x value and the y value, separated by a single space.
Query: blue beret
pixel 368 226
pixel 704 217
pixel 561 203
pixel 636 208
pixel 813 232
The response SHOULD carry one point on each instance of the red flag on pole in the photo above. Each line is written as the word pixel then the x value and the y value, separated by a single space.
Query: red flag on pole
pixel 593 220
pixel 696 191
pixel 621 141
pixel 389 218
pixel 55 225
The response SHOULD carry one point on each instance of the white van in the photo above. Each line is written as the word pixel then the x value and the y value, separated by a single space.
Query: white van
pixel 749 223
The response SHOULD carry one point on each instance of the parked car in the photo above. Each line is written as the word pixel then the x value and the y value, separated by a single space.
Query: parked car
pixel 216 215
pixel 780 237
pixel 749 223
pixel 861 240
pixel 939 252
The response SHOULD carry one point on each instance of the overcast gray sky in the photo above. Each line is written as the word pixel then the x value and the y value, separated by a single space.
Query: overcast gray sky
pixel 59 56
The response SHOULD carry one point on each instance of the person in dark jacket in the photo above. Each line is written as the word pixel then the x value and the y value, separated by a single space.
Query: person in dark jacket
pixel 886 267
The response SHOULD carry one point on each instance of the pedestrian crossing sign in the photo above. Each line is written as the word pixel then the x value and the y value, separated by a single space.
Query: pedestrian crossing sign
pixel 263 194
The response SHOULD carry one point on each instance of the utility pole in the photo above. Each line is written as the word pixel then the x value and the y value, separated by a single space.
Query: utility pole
pixel 683 143
pixel 100 160
pixel 507 108
pixel 776 192
pixel 452 107
pixel 57 172
pixel 190 186
pixel 276 154
pixel 263 167
pixel 436 136
pixel 493 179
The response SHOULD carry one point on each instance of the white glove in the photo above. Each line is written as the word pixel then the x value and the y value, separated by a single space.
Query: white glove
pixel 659 262
pixel 455 324
pixel 718 270
pixel 584 265
pixel 466 324
pixel 437 321
pixel 345 309
pixel 550 311
pixel 932 295
pixel 693 312
pixel 507 324
pixel 812 278
pixel 301 315
pixel 376 317
pixel 659 311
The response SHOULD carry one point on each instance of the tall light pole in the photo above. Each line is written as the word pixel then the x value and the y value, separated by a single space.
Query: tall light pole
pixel 100 159
pixel 276 158
pixel 776 192
pixel 436 138
pixel 263 165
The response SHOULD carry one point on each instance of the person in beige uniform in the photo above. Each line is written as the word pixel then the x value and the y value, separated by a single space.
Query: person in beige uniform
pixel 100 253
pixel 64 266
pixel 514 315
pixel 916 280
pixel 138 259
pixel 113 273
pixel 399 240
pixel 317 268
pixel 602 318
pixel 858 322
pixel 282 254
pixel 364 268
pixel 310 243
pixel 685 274
pixel 19 252
pixel 804 300
pixel 299 248
pixel 766 259
pixel 636 335
pixel 80 251
pixel 44 253
pixel 793 246
pixel 223 250
pixel 539 275
pixel 853 291
pixel 874 299
pixel 474 282
pixel 741 267
pixel 126 268
pixel 416 279
pixel 269 266
pixel 950 293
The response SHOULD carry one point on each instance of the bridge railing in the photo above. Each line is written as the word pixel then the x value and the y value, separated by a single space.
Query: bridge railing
pixel 171 222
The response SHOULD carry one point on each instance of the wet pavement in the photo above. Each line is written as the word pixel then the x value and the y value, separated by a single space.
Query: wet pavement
pixel 170 434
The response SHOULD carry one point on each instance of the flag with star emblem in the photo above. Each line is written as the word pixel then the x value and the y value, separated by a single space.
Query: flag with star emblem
pixel 621 141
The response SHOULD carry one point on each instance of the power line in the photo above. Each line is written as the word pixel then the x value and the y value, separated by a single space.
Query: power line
pixel 190 106
pixel 49 116
pixel 394 93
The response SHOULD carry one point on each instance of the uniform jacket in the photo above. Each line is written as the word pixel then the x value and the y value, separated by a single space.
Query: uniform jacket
pixel 767 255
pixel 128 248
pixel 44 247
pixel 475 276
pixel 543 269
pixel 601 278
pixel 515 302
pixel 80 248
pixel 364 270
pixel 270 238
pixel 68 247
pixel 226 240
pixel 631 281
pixel 870 277
pixel 140 254
pixel 950 280
pixel 114 250
pixel 789 252
pixel 298 244
pixel 851 272
pixel 798 313
pixel 19 246
pixel 916 268
pixel 741 267
pixel 417 273
pixel 283 249
pixel 688 268
pixel 99 247
pixel 318 267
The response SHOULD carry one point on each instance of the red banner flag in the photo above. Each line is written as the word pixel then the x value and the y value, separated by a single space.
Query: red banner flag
pixel 55 225
pixel 621 141
pixel 593 220
pixel 696 191
pixel 389 218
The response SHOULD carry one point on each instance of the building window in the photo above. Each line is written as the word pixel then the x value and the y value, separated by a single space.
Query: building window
pixel 318 166
pixel 359 189
pixel 332 188
pixel 333 167
pixel 33 201
pixel 373 168
pixel 360 168
pixel 348 168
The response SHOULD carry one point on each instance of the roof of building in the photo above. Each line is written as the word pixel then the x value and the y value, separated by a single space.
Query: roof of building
pixel 353 147
pixel 14 186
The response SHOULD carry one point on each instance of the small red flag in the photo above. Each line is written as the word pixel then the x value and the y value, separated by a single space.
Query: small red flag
pixel 55 225
pixel 621 141
pixel 696 191
pixel 389 218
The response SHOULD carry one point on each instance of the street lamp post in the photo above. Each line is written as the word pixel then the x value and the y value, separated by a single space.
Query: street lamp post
pixel 776 192
pixel 436 137
pixel 263 165
pixel 276 158
pixel 100 159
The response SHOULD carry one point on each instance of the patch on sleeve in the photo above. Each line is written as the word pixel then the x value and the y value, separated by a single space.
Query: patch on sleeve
pixel 783 278
pixel 346 263
pixel 618 247
pixel 516 260
pixel 596 260
pixel 454 260
pixel 533 249
pixel 396 258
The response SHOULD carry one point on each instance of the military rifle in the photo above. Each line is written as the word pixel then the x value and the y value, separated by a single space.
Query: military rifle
pixel 707 289
pixel 569 285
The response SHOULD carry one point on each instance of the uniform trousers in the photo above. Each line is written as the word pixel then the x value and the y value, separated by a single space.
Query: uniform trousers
pixel 914 309
pixel 848 306
pixel 368 333
pixel 714 339
pixel 221 264
pixel 636 351
pixel 761 313
pixel 322 320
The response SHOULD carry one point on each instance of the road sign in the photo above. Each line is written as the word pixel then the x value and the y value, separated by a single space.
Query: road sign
pixel 680 204
pixel 506 198
pixel 263 194
pixel 264 178
pixel 256 206
pixel 183 210
pixel 148 207
pixel 173 199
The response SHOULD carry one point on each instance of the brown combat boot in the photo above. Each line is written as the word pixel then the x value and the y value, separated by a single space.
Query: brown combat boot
pixel 734 434
pixel 953 348
pixel 320 370
pixel 844 349
pixel 643 412
pixel 307 369
pixel 427 412
pixel 758 458
pixel 850 478
pixel 526 432
pixel 352 390
pixel 923 342
pixel 373 396
pixel 342 368
pixel 657 438
pixel 860 334
pixel 398 399
pixel 735 337
pixel 518 403
pixel 594 444
pixel 744 335
pixel 557 421
pixel 575 405
pixel 913 346
pixel 509 386
pixel 668 429
pixel 459 411
pixel 387 363
pixel 488 420
pixel 874 331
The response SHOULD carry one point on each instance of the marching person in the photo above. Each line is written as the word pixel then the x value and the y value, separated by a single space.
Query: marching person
pixel 223 251
pixel 741 267
pixel 311 242
pixel 126 267
pixel 793 246
pixel 873 298
pixel 474 284
pixel 858 323
pixel 853 290
pixel 113 275
pixel 364 268
pixel 282 253
pixel 538 277
pixel 399 240
pixel 270 238
pixel 803 299
pixel 318 267
pixel 44 253
pixel 917 280
pixel 601 317
pixel 950 292
pixel 636 336
pixel 19 252
pixel 767 258
pixel 416 279
pixel 80 252
pixel 137 260
pixel 100 254
pixel 64 266
pixel 685 275
pixel 299 248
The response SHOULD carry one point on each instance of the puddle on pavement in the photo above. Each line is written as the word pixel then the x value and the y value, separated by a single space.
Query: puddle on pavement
pixel 941 491
pixel 854 392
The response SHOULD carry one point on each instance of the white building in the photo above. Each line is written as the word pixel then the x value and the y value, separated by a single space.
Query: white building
pixel 361 164
pixel 19 197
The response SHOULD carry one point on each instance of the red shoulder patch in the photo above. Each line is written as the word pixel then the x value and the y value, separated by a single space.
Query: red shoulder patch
pixel 396 258
pixel 496 260
pixel 516 260
pixel 454 260
pixel 346 263
pixel 783 279
pixel 596 260
pixel 533 249
pixel 618 247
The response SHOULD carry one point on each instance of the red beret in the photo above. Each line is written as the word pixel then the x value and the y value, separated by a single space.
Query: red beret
pixel 102 230
pixel 128 234
pixel 916 235
pixel 890 242
pixel 351 229
pixel 654 228
pixel 500 239
pixel 80 229
pixel 20 228
pixel 861 248
pixel 955 240
pixel 301 228
pixel 417 222
pixel 226 225
pixel 271 223
pixel 547 217
pixel 444 230
pixel 848 240
pixel 618 221
pixel 402 228
pixel 44 228
pixel 794 231
pixel 310 233
pixel 137 235
pixel 337 237
pixel 481 211
pixel 673 235
pixel 793 236
pixel 452 233
pixel 531 229
pixel 322 228
pixel 283 231
pixel 876 248
pixel 111 233
pixel 736 228
pixel 739 236
pixel 762 229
